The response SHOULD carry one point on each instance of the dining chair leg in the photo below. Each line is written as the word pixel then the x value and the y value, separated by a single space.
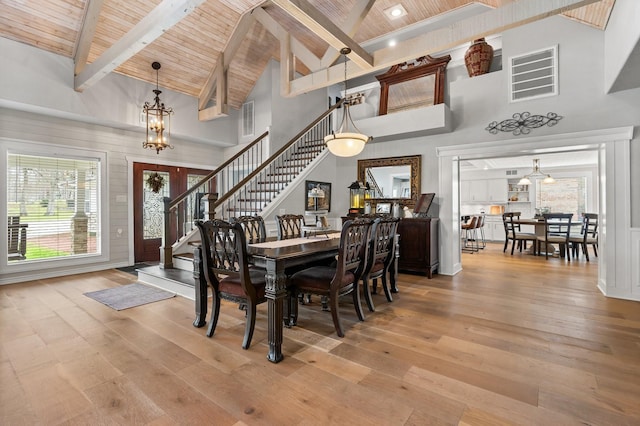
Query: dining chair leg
pixel 325 303
pixel 249 325
pixel 215 313
pixel 367 295
pixel 585 250
pixel 355 294
pixel 292 302
pixel 387 289
pixel 334 315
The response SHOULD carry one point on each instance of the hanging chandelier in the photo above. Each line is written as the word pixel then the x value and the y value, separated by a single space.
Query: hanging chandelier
pixel 348 141
pixel 536 173
pixel 158 119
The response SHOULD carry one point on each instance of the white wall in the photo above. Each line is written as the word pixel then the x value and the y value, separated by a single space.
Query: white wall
pixel 622 47
pixel 475 102
pixel 34 80
pixel 122 148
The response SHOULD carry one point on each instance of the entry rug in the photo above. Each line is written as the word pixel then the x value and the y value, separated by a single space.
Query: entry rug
pixel 129 296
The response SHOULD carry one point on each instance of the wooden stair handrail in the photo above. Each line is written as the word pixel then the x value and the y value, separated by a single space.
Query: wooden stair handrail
pixel 189 191
pixel 268 161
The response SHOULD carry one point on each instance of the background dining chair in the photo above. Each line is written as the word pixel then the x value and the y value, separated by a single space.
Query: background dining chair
pixel 254 228
pixel 381 255
pixel 557 228
pixel 334 282
pixel 227 272
pixel 588 235
pixel 515 234
pixel 290 226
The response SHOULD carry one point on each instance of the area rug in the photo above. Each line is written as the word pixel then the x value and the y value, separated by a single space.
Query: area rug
pixel 129 296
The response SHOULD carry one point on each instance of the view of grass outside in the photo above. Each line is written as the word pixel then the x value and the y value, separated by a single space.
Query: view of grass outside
pixel 43 218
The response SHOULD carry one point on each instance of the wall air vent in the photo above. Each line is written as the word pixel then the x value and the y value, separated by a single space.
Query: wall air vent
pixel 533 75
pixel 512 172
pixel 247 119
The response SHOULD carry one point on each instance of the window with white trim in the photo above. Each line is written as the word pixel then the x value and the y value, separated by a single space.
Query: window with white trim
pixel 53 207
pixel 533 75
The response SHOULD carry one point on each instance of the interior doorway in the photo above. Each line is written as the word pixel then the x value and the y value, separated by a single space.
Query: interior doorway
pixel 564 182
pixel 148 204
pixel 614 183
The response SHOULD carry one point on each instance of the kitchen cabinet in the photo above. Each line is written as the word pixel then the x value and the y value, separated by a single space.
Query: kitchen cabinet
pixel 483 191
pixel 494 228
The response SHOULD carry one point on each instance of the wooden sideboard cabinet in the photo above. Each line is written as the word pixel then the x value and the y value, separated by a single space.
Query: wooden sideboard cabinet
pixel 419 247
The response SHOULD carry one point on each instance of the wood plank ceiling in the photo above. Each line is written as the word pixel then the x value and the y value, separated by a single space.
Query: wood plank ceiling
pixel 190 50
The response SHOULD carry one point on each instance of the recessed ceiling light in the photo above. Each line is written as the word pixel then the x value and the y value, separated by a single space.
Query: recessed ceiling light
pixel 395 12
pixel 392 42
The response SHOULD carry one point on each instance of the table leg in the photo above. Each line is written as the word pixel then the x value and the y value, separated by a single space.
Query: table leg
pixel 200 289
pixel 276 292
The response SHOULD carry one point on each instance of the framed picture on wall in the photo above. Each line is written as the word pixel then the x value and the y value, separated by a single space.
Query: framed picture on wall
pixel 383 208
pixel 317 196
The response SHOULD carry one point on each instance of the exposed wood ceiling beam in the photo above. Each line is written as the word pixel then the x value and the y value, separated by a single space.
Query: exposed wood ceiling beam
pixel 213 82
pixel 221 108
pixel 491 22
pixel 324 28
pixel 87 32
pixel 299 50
pixel 164 16
pixel 355 18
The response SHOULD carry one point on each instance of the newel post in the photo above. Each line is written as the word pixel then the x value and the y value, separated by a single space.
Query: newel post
pixel 166 251
pixel 209 201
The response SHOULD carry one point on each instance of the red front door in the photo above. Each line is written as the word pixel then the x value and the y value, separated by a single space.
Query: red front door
pixel 148 210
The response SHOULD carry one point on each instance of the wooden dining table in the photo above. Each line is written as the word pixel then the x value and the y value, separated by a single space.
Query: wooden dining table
pixel 275 257
pixel 539 230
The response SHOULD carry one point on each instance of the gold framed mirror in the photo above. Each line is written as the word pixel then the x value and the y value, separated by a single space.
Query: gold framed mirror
pixel 391 179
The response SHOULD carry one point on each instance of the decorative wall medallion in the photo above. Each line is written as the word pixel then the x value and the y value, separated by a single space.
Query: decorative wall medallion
pixel 522 123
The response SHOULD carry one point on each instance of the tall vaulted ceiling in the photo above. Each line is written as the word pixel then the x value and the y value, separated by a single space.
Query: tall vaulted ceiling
pixel 215 50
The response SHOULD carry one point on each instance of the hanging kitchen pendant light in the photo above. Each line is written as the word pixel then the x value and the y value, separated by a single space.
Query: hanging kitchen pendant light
pixel 536 173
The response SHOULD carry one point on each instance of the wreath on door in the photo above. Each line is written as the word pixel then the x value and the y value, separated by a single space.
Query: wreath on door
pixel 155 182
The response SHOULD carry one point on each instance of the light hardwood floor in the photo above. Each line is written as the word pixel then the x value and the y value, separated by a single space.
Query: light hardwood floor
pixel 510 340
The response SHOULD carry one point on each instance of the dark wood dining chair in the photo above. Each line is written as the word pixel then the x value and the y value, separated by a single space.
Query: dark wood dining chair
pixel 381 255
pixel 227 272
pixel 557 229
pixel 588 235
pixel 341 280
pixel 290 226
pixel 254 228
pixel 514 233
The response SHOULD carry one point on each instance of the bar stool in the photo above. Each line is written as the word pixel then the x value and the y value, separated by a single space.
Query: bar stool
pixel 471 235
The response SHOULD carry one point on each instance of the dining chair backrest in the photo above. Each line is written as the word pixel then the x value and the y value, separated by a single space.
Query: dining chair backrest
pixel 507 221
pixel 354 248
pixel 557 226
pixel 590 224
pixel 383 233
pixel 290 226
pixel 225 252
pixel 254 228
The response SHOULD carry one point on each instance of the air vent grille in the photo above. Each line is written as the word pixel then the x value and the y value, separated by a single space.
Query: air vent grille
pixel 534 75
pixel 512 172
pixel 247 119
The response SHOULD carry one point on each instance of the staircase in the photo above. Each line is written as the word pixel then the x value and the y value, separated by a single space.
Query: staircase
pixel 251 182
